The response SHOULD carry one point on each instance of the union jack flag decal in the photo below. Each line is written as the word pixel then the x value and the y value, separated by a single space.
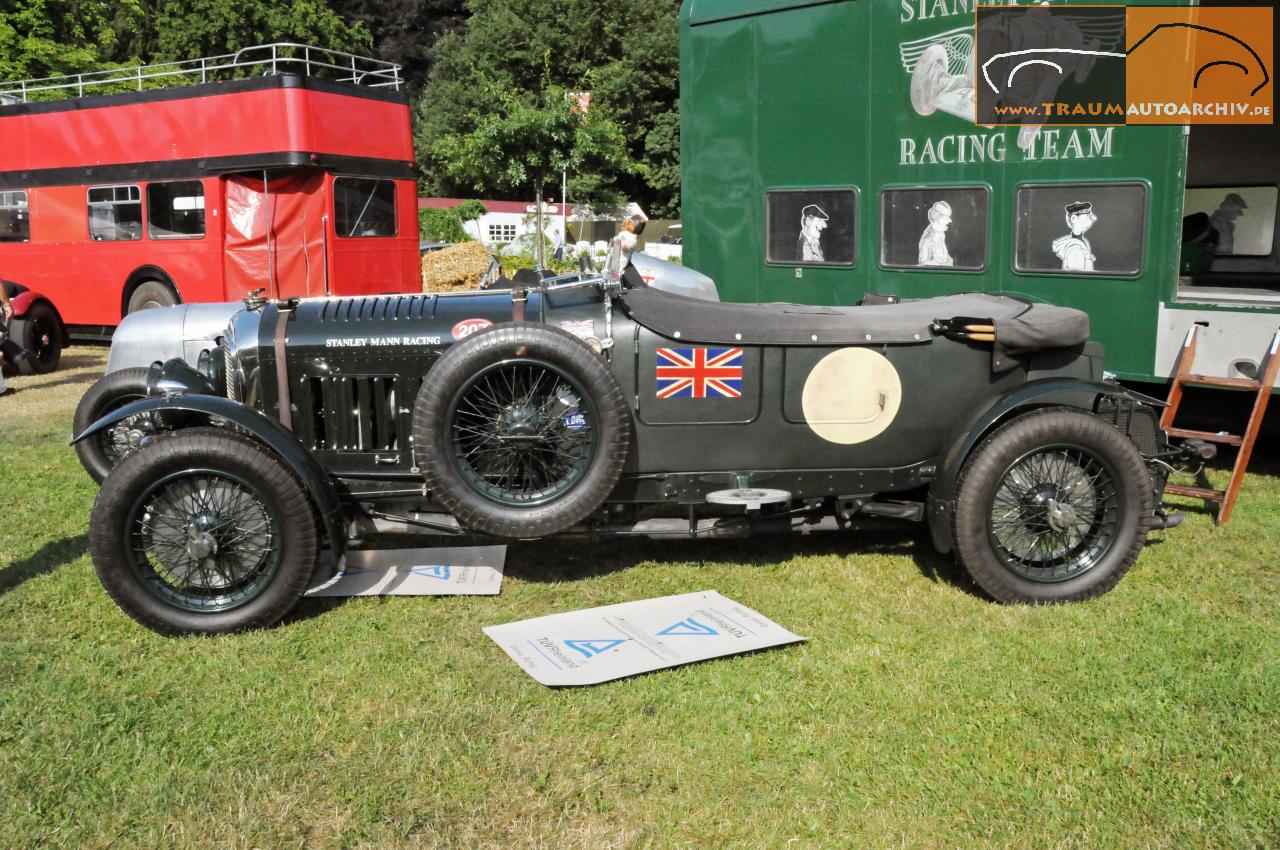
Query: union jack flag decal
pixel 699 373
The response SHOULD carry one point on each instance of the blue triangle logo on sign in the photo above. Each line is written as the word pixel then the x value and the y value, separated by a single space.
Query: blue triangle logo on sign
pixel 589 648
pixel 351 571
pixel 442 573
pixel 688 626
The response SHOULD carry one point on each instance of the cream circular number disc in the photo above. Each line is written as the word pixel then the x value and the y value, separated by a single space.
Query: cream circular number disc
pixel 851 396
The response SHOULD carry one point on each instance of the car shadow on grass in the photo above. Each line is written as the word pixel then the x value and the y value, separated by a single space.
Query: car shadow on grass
pixel 576 560
pixel 48 558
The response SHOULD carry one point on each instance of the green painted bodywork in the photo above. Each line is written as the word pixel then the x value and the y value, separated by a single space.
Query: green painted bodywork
pixel 792 94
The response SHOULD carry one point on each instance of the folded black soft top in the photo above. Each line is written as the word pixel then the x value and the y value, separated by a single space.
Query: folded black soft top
pixel 1021 326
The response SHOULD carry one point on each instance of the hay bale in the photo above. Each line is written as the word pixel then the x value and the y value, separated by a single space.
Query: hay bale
pixel 456 268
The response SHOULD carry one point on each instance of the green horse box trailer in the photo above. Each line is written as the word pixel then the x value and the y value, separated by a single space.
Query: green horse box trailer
pixel 827 154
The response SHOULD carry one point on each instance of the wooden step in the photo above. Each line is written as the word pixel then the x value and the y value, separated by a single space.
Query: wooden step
pixel 1211 381
pixel 1207 436
pixel 1197 492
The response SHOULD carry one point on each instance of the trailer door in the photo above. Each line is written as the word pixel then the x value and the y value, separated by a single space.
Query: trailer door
pixel 275 234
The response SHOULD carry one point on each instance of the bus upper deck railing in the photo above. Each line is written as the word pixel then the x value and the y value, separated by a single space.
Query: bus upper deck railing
pixel 259 60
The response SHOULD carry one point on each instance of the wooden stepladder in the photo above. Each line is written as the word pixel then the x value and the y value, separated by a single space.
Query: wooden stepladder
pixel 1184 377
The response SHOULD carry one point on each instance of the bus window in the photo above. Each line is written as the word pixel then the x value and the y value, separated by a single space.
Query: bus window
pixel 115 213
pixel 1056 233
pixel 15 217
pixel 811 227
pixel 942 227
pixel 364 208
pixel 175 210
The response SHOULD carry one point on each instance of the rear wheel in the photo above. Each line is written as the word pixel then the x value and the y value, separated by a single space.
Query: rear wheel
pixel 100 453
pixel 1053 507
pixel 40 333
pixel 203 533
pixel 150 295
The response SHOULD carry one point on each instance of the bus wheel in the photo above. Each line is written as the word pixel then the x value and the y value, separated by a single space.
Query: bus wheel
pixel 40 333
pixel 151 294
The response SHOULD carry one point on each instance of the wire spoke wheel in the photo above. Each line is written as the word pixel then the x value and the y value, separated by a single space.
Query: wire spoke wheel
pixel 524 432
pixel 1054 513
pixel 124 436
pixel 1052 506
pixel 203 541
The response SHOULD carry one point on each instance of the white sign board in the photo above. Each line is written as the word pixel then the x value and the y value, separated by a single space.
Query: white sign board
pixel 602 644
pixel 455 571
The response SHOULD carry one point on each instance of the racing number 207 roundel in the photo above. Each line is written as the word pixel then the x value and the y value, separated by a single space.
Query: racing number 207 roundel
pixel 851 395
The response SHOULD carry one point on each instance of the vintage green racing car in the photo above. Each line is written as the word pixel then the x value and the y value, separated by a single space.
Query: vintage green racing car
pixel 592 404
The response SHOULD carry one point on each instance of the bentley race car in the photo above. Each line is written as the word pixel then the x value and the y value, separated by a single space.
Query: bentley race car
pixel 587 404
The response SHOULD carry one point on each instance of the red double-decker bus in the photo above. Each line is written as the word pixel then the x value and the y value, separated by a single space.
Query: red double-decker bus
pixel 282 167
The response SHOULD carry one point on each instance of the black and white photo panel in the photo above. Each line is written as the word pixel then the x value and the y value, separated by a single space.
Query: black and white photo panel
pixel 941 227
pixel 1086 228
pixel 811 226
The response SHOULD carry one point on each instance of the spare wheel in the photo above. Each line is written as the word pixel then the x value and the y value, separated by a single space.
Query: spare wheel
pixel 521 430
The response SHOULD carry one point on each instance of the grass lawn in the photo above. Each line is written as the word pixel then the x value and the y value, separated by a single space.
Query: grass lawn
pixel 917 715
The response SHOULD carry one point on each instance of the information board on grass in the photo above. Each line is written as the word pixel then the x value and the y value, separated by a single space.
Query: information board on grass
pixel 451 571
pixel 616 641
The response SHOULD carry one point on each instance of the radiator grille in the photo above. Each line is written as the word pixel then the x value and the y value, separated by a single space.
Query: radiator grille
pixel 229 370
pixel 351 414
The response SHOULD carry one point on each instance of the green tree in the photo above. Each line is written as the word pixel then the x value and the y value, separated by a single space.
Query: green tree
pixel 525 139
pixel 43 38
pixel 158 30
pixel 405 30
pixel 625 54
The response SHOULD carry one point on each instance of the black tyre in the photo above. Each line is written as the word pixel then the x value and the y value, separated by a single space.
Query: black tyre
pixel 40 333
pixel 203 533
pixel 100 453
pixel 521 430
pixel 1053 507
pixel 151 294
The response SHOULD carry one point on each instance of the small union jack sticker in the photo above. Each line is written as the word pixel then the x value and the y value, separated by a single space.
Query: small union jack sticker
pixel 581 328
pixel 699 373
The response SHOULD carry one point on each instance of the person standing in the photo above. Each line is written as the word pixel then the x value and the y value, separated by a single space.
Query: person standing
pixel 6 313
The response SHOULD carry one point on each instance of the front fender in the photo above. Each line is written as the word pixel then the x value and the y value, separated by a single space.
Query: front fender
pixel 1049 392
pixel 282 443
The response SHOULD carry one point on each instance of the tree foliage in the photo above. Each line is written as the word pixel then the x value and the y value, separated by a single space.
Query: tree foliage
pixel 43 38
pixel 525 139
pixel 405 30
pixel 625 54
pixel 152 30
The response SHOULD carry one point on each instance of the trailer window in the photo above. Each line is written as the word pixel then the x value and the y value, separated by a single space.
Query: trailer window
pixel 1081 228
pixel 175 210
pixel 811 227
pixel 1237 221
pixel 15 217
pixel 115 213
pixel 943 228
pixel 364 208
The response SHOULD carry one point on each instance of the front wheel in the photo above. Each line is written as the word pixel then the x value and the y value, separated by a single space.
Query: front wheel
pixel 100 453
pixel 1053 507
pixel 203 533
